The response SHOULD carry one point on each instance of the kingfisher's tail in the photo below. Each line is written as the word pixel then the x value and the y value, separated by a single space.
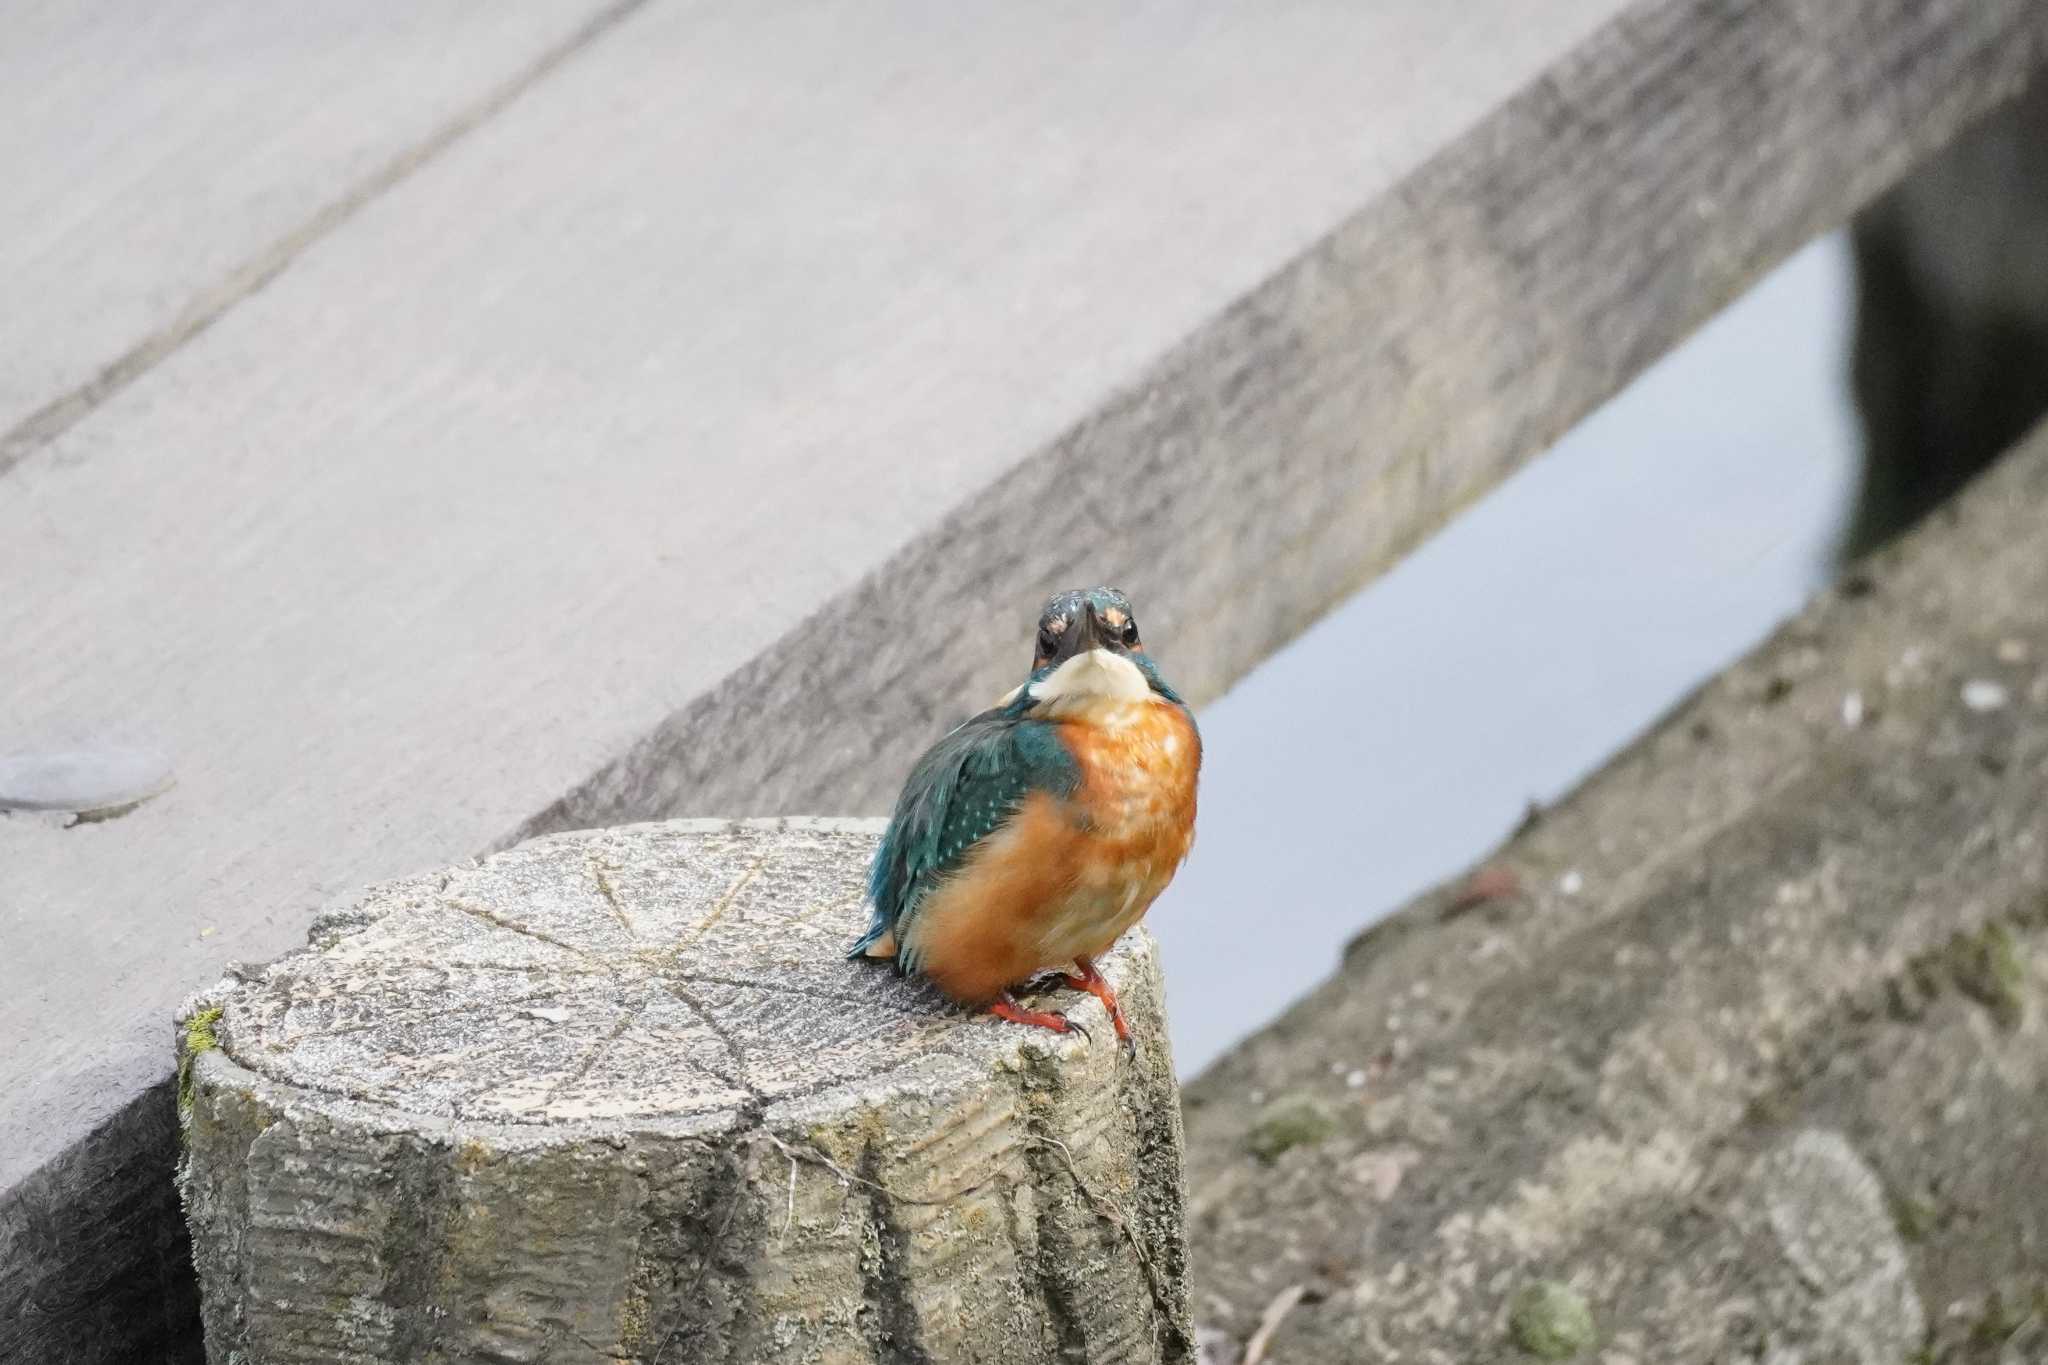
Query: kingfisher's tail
pixel 878 942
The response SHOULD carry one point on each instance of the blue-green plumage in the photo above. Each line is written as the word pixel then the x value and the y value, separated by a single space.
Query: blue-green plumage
pixel 958 794
pixel 977 778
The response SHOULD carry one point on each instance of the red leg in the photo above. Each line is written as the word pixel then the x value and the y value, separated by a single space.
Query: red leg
pixel 1092 982
pixel 1007 1007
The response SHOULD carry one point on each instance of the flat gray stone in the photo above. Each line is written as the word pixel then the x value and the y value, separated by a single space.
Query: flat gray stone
pixel 82 780
pixel 1829 1212
pixel 471 1117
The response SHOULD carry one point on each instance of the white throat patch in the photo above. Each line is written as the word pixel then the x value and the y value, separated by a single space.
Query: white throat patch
pixel 1096 674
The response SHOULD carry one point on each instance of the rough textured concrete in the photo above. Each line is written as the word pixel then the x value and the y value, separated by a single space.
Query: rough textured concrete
pixel 1744 1044
pixel 618 1097
pixel 582 474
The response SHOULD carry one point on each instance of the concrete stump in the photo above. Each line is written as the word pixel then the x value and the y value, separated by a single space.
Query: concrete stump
pixel 616 1096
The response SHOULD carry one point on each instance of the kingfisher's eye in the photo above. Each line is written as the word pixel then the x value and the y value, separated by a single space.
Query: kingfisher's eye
pixel 1130 634
pixel 1048 643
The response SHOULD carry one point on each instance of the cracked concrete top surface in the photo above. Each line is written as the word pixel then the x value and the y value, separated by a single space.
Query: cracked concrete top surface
pixel 675 973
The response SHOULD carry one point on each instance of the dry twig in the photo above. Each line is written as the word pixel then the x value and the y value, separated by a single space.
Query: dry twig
pixel 1269 1322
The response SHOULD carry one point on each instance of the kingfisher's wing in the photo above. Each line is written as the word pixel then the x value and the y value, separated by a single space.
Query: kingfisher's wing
pixel 958 794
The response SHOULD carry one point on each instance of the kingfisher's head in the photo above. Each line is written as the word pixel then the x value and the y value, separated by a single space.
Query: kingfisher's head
pixel 1089 647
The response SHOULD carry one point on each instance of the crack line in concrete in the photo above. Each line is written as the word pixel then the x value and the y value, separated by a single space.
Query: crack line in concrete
pixel 823 906
pixel 422 1015
pixel 725 902
pixel 492 917
pixel 610 893
pixel 877 1001
pixel 66 411
pixel 742 1082
pixel 627 1018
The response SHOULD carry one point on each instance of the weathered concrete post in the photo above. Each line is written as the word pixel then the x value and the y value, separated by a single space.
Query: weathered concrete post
pixel 616 1097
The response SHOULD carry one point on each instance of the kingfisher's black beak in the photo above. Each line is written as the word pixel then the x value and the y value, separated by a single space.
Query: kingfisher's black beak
pixel 1092 633
pixel 1084 632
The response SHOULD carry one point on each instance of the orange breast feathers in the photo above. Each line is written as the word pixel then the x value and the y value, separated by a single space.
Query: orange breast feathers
pixel 1063 878
pixel 1139 763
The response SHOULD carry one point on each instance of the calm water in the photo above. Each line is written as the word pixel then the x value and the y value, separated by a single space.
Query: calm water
pixel 1403 736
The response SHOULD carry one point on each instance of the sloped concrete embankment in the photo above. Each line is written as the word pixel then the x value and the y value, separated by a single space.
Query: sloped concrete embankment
pixel 1739 1054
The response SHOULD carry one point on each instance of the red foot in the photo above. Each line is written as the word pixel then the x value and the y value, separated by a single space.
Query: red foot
pixel 1092 982
pixel 1008 1008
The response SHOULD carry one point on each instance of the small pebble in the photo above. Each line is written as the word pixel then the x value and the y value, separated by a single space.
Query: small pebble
pixel 1982 694
pixel 1571 883
pixel 1354 1079
pixel 1492 883
pixel 1852 710
pixel 1381 1171
pixel 2012 651
pixel 1551 1321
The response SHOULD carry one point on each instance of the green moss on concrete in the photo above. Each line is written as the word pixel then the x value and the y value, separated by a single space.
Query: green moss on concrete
pixel 1986 967
pixel 1295 1120
pixel 1997 1324
pixel 1550 1320
pixel 200 1036
pixel 635 1327
pixel 1914 1217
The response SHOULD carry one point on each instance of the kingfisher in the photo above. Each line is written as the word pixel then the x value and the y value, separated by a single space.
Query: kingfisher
pixel 1033 835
